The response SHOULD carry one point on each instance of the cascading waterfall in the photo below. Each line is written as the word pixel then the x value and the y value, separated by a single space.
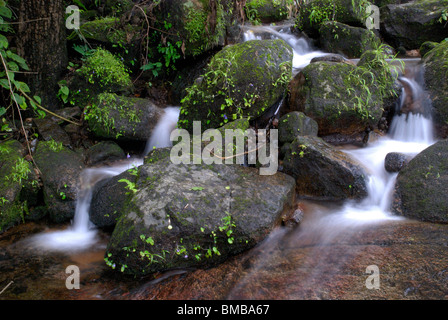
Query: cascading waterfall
pixel 82 234
pixel 411 132
pixel 327 226
pixel 160 137
pixel 303 52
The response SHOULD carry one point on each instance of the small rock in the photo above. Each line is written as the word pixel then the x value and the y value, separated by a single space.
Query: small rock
pixel 394 161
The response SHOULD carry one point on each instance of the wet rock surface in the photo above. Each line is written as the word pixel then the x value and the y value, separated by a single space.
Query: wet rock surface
pixel 318 260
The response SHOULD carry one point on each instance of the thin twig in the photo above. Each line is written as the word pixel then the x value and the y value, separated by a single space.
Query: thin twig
pixel 27 21
pixel 6 287
pixel 48 111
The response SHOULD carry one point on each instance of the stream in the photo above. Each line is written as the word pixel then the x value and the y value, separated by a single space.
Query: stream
pixel 328 256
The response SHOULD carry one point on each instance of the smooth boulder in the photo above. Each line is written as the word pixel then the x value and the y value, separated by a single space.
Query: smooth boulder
pixel 435 64
pixel 186 215
pixel 411 24
pixel 322 171
pixel 341 98
pixel 421 189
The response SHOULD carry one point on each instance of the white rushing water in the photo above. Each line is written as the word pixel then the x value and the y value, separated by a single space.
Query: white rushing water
pixel 410 133
pixel 82 234
pixel 303 52
pixel 160 137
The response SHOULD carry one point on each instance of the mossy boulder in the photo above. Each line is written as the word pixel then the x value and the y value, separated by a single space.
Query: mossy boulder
pixel 411 24
pixel 14 176
pixel 313 13
pixel 386 73
pixel 186 216
pixel 242 80
pixel 104 151
pixel 435 65
pixel 349 41
pixel 101 72
pixel 109 30
pixel 427 46
pixel 341 98
pixel 421 188
pixel 122 118
pixel 266 11
pixel 196 24
pixel 323 172
pixel 60 170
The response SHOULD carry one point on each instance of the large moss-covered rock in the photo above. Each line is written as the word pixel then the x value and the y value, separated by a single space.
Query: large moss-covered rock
pixel 421 187
pixel 323 172
pixel 109 30
pixel 435 65
pixel 267 11
pixel 195 215
pixel 124 118
pixel 197 24
pixel 242 80
pixel 313 13
pixel 349 41
pixel 341 98
pixel 411 24
pixel 60 170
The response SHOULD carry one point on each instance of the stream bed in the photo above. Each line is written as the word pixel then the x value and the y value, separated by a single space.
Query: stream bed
pixel 317 260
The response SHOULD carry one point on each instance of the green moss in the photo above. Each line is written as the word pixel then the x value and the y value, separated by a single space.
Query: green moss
pixel 237 86
pixel 198 34
pixel 108 30
pixel 266 11
pixel 106 71
pixel 100 118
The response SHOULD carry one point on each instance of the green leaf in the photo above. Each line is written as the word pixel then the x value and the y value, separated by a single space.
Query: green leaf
pixel 2 111
pixel 22 86
pixel 5 12
pixel 38 99
pixel 3 42
pixel 17 59
pixel 4 83
pixel 197 188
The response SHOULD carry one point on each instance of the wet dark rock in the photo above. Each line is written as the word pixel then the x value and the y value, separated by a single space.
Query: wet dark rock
pixel 435 65
pixel 421 187
pixel 295 124
pixel 331 58
pixel 411 24
pixel 395 161
pixel 104 151
pixel 60 170
pixel 295 217
pixel 50 130
pixel 347 40
pixel 185 216
pixel 109 198
pixel 323 172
